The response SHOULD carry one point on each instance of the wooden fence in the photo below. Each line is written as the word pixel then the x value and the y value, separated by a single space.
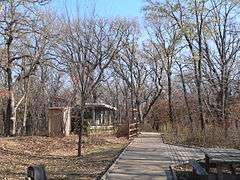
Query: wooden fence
pixel 133 130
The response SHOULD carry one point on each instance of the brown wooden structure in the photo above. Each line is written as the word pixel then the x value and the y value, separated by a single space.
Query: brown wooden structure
pixel 59 121
pixel 133 130
pixel 220 164
pixel 63 120
pixel 222 159
pixel 130 128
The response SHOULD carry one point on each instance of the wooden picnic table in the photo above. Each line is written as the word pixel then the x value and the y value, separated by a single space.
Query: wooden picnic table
pixel 222 158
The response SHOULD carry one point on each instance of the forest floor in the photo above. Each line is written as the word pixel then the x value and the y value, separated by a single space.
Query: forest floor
pixel 58 155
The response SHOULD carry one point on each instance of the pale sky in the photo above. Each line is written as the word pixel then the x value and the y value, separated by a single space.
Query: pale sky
pixel 104 8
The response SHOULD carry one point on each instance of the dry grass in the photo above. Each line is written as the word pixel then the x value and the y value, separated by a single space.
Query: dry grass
pixel 58 155
pixel 214 136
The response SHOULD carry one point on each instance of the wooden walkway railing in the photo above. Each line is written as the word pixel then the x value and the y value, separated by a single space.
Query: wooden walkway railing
pixel 133 130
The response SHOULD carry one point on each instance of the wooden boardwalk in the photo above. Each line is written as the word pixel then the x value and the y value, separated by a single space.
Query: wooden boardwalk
pixel 147 157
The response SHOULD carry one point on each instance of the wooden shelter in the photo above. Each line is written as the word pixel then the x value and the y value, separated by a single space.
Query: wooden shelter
pixel 63 120
pixel 101 114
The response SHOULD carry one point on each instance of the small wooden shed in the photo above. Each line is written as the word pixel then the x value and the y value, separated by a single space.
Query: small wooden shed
pixel 59 121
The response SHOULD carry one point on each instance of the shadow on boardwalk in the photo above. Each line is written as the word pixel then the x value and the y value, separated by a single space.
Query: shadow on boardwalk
pixel 147 157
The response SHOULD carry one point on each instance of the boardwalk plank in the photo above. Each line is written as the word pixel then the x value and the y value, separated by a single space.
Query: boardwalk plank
pixel 145 158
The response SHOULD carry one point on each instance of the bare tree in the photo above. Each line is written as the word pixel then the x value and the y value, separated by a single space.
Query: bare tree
pixel 15 24
pixel 220 54
pixel 190 21
pixel 135 68
pixel 165 39
pixel 181 69
pixel 87 48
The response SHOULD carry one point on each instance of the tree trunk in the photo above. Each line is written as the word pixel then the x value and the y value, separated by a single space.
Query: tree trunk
pixel 25 114
pixel 224 94
pixel 80 133
pixel 139 110
pixel 126 106
pixel 81 120
pixel 199 68
pixel 185 97
pixel 170 107
pixel 200 104
pixel 9 110
pixel 7 122
pixel 14 115
pixel 24 131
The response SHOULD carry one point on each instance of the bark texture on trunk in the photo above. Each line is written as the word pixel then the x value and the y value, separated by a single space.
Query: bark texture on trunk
pixel 186 97
pixel 81 122
pixel 170 106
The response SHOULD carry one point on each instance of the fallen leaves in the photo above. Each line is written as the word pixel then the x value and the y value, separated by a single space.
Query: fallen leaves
pixel 58 155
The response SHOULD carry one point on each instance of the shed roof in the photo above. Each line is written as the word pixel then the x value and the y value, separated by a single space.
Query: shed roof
pixel 100 105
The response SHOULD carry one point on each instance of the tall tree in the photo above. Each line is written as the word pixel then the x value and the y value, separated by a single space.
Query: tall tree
pixel 190 18
pixel 87 48
pixel 221 49
pixel 15 23
pixel 165 39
